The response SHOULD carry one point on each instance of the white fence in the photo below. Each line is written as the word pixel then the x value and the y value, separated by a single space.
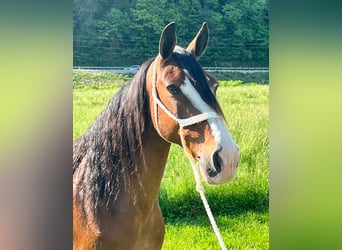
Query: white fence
pixel 236 69
pixel 127 70
pixel 119 70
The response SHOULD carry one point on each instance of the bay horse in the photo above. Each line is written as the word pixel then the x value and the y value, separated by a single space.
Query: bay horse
pixel 119 162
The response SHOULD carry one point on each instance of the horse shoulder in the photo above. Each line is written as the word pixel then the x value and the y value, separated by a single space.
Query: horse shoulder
pixel 84 236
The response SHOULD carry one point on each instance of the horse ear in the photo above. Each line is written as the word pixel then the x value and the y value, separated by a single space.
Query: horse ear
pixel 200 42
pixel 167 41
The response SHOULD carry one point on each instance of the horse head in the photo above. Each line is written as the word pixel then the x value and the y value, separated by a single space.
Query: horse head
pixel 184 108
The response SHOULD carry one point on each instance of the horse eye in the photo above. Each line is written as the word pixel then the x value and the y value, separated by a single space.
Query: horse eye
pixel 173 90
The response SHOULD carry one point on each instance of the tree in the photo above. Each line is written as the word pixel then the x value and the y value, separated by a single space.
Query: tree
pixel 120 33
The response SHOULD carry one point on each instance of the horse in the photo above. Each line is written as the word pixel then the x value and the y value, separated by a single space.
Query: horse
pixel 118 164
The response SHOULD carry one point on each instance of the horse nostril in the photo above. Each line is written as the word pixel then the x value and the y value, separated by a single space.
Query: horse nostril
pixel 211 172
pixel 217 160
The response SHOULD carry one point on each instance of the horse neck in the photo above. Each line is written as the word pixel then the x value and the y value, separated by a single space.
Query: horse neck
pixel 156 151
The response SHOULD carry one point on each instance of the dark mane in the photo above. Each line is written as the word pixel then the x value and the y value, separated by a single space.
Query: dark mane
pixel 112 147
pixel 187 61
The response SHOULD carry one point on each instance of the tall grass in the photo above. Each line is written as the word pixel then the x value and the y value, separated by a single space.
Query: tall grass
pixel 241 206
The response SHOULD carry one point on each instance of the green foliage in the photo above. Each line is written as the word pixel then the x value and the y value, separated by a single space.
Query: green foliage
pixel 241 206
pixel 122 33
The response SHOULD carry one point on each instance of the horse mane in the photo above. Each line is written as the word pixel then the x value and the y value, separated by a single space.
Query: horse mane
pixel 111 150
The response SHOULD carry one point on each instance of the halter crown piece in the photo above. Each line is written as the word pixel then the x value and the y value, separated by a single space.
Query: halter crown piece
pixel 183 123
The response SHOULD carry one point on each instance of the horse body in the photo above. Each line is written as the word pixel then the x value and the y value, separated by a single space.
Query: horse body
pixel 119 162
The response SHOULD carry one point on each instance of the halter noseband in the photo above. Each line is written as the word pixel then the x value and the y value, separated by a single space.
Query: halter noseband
pixel 181 122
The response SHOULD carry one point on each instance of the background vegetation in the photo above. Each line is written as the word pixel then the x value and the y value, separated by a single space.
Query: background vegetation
pixel 121 33
pixel 240 207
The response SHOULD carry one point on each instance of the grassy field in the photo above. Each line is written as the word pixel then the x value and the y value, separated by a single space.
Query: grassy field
pixel 240 207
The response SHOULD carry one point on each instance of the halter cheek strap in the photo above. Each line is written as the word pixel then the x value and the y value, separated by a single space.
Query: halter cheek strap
pixel 181 122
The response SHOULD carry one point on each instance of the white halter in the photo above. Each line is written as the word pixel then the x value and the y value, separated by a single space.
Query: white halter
pixel 183 123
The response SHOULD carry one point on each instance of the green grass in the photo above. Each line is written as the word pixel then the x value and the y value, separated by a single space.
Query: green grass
pixel 260 77
pixel 241 206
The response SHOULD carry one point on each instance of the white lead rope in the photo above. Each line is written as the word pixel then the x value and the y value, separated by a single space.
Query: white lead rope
pixel 200 189
pixel 183 123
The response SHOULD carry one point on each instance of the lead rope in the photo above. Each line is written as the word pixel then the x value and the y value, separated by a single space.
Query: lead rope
pixel 200 189
pixel 182 123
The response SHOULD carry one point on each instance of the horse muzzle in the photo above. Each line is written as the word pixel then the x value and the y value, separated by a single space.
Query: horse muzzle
pixel 221 165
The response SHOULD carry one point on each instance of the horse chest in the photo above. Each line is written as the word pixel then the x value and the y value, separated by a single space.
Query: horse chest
pixel 132 229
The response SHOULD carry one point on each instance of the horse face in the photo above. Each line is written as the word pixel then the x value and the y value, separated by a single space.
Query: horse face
pixel 186 94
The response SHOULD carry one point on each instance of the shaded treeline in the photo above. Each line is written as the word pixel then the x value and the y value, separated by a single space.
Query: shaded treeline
pixel 125 32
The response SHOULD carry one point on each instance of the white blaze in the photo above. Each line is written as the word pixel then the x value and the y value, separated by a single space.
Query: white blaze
pixel 229 153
